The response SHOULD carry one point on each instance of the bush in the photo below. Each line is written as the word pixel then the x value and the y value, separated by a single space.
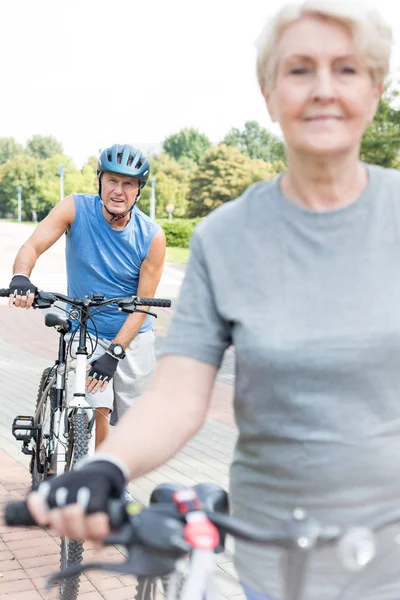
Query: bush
pixel 178 231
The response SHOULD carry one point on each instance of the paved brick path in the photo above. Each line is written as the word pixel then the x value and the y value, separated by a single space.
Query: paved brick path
pixel 28 556
pixel 26 346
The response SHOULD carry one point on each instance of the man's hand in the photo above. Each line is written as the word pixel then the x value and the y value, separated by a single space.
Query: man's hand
pixel 22 291
pixel 100 373
pixel 75 503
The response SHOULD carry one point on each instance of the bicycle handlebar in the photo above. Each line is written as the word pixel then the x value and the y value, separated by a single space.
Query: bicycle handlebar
pixel 46 299
pixel 155 537
pixel 284 535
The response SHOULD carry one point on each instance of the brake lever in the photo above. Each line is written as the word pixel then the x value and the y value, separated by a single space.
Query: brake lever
pixel 79 569
pixel 41 302
pixel 139 563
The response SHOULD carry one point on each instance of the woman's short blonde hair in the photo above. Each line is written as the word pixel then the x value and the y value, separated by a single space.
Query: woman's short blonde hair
pixel 371 34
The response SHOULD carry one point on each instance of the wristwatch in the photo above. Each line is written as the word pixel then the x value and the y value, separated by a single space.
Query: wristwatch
pixel 116 350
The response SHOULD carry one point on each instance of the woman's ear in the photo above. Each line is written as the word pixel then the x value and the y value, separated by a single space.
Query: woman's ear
pixel 377 93
pixel 269 101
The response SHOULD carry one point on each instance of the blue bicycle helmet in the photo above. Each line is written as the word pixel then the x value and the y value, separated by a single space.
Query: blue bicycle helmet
pixel 125 160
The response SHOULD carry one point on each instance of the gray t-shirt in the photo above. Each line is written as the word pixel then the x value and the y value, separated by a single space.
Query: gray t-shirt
pixel 311 302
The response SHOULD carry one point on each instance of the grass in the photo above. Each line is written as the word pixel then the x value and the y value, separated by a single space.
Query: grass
pixel 177 255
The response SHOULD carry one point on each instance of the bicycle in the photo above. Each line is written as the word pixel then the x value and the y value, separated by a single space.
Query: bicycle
pixel 62 430
pixel 179 525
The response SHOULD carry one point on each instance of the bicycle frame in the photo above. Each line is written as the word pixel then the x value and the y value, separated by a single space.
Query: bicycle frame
pixel 64 406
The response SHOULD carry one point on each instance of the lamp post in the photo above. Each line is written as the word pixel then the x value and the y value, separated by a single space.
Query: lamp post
pixel 61 171
pixel 170 209
pixel 19 190
pixel 153 199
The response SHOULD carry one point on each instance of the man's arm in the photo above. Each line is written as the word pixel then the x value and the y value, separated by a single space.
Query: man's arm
pixel 149 278
pixel 45 235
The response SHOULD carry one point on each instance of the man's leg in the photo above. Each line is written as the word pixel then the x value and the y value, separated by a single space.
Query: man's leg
pixel 102 424
pixel 134 373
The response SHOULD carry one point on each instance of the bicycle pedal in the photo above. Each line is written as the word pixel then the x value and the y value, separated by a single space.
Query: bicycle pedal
pixel 23 428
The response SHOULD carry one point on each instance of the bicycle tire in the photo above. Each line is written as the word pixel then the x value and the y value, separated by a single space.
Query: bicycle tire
pixel 72 550
pixel 41 457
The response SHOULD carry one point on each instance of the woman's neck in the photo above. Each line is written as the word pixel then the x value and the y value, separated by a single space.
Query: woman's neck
pixel 324 185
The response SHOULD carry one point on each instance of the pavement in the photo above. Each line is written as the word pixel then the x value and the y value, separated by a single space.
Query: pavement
pixel 26 348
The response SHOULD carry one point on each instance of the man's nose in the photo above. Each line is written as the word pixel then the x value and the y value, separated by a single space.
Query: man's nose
pixel 118 189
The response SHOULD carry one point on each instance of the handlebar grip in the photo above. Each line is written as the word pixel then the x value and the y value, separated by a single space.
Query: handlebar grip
pixel 4 292
pixel 17 514
pixel 153 302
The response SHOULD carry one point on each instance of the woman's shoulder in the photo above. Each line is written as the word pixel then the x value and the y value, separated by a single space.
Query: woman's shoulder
pixel 384 175
pixel 236 212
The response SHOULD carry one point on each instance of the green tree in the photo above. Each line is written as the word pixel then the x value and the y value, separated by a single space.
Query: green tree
pixel 41 183
pixel 381 142
pixel 44 146
pixel 187 143
pixel 223 174
pixel 256 142
pixel 9 148
pixel 172 186
pixel 19 170
pixel 89 173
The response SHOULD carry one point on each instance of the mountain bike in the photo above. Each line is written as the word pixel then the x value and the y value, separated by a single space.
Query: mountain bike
pixel 179 525
pixel 62 429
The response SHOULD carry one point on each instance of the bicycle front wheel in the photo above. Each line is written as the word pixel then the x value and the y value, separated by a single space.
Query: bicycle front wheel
pixel 44 411
pixel 71 550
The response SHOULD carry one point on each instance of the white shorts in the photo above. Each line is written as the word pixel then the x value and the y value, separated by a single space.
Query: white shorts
pixel 131 377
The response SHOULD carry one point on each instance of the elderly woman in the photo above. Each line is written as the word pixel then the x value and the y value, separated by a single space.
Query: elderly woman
pixel 302 275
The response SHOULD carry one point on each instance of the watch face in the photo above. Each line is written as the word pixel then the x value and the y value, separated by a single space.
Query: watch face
pixel 118 350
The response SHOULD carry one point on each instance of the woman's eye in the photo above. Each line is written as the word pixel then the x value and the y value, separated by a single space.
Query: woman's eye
pixel 299 71
pixel 348 70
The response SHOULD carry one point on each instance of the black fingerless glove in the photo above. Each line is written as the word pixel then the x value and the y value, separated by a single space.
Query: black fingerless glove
pixel 104 367
pixel 21 285
pixel 91 486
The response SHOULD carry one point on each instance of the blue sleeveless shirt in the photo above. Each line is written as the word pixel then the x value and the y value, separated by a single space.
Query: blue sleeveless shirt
pixel 103 260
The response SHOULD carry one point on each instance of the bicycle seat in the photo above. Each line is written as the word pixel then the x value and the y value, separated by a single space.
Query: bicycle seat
pixel 213 497
pixel 53 319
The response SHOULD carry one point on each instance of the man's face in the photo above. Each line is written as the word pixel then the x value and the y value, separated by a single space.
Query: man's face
pixel 118 192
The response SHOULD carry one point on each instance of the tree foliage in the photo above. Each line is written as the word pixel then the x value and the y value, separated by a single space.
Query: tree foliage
pixel 172 186
pixel 40 182
pixel 186 144
pixel 9 148
pixel 44 146
pixel 256 142
pixel 223 174
pixel 381 142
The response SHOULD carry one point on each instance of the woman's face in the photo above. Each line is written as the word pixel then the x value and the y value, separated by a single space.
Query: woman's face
pixel 323 95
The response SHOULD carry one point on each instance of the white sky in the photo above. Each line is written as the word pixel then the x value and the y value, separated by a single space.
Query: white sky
pixel 96 72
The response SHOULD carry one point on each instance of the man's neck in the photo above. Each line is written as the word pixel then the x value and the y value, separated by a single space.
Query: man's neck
pixel 116 223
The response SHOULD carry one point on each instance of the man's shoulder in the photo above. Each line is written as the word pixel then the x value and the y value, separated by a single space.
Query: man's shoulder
pixel 144 220
pixel 88 198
